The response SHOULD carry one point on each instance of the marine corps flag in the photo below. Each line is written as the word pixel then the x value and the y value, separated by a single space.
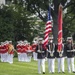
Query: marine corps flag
pixel 60 28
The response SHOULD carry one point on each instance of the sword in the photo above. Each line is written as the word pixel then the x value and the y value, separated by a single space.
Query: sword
pixel 71 50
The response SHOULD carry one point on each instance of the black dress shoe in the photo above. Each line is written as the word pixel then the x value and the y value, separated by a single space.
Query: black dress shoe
pixel 73 71
pixel 52 72
pixel 63 72
pixel 43 72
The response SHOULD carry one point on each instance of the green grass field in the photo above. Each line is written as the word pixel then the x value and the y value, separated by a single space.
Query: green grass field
pixel 24 68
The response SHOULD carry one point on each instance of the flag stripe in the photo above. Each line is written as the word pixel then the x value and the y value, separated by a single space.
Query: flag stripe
pixel 48 28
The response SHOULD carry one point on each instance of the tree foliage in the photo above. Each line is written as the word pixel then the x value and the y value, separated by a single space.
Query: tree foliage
pixel 16 22
pixel 68 18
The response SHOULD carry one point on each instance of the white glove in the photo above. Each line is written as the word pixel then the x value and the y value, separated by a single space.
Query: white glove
pixel 39 51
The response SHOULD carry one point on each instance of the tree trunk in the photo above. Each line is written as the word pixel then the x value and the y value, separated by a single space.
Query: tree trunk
pixel 55 20
pixel 55 29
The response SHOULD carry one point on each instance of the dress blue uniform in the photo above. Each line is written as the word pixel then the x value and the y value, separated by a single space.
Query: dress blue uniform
pixel 70 54
pixel 41 54
pixel 51 56
pixel 60 58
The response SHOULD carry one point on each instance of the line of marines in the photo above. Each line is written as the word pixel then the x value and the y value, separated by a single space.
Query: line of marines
pixel 26 51
pixel 51 52
pixel 6 51
pixel 23 49
pixel 41 54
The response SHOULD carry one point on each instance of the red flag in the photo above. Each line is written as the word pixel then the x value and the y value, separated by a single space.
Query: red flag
pixel 60 28
pixel 48 28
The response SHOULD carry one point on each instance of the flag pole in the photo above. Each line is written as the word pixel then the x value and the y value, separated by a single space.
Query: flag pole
pixel 49 10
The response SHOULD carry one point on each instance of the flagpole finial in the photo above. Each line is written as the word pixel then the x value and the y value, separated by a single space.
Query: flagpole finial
pixel 60 5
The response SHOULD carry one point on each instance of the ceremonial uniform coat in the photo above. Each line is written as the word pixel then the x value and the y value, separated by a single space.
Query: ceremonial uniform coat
pixel 68 48
pixel 41 52
pixel 57 53
pixel 49 51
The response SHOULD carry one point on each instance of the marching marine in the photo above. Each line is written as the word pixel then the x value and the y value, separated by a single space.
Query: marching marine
pixel 29 52
pixel 10 52
pixel 4 52
pixel 70 54
pixel 51 55
pixel 41 54
pixel 34 53
pixel 60 55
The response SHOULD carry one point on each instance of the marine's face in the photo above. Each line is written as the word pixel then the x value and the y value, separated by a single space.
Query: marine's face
pixel 69 40
pixel 50 40
pixel 40 41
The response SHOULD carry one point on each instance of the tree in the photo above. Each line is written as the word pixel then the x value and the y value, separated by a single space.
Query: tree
pixel 17 23
pixel 25 26
pixel 6 24
pixel 41 6
pixel 69 18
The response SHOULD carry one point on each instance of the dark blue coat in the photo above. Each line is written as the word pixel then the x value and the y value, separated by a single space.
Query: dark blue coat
pixel 57 54
pixel 49 51
pixel 42 53
pixel 69 47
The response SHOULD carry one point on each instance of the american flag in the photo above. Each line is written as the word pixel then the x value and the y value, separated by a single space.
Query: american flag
pixel 48 28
